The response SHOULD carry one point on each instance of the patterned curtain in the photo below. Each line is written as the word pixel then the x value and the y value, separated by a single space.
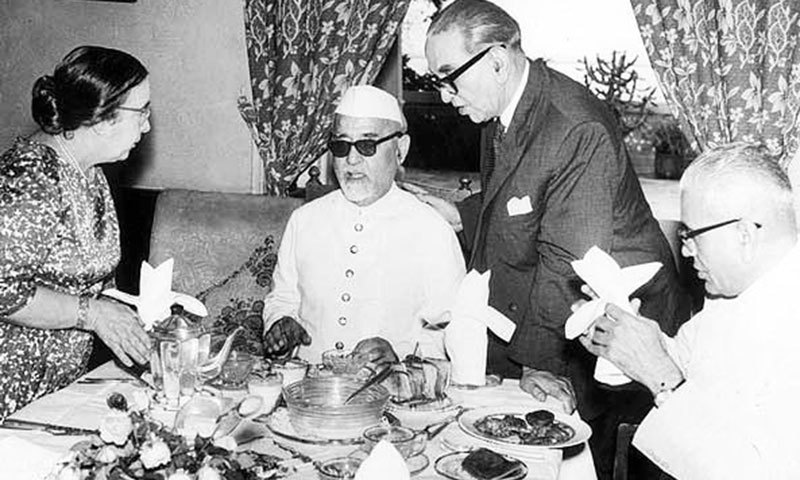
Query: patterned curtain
pixel 303 54
pixel 730 69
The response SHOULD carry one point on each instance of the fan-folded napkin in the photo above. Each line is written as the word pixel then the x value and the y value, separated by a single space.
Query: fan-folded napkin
pixel 465 337
pixel 612 284
pixel 156 296
pixel 383 463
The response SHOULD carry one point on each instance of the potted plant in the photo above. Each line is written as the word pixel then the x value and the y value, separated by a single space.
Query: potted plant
pixel 673 151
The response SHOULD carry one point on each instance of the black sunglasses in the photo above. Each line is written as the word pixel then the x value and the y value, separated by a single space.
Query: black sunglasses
pixel 448 83
pixel 366 147
pixel 685 233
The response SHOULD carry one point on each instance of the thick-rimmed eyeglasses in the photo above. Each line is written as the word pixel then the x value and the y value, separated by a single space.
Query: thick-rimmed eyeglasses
pixel 448 83
pixel 144 112
pixel 366 147
pixel 685 233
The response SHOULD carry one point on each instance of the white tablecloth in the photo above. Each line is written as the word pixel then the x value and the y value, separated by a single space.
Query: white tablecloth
pixel 84 406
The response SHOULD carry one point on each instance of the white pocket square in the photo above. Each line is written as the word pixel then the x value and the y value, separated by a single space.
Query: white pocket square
pixel 519 206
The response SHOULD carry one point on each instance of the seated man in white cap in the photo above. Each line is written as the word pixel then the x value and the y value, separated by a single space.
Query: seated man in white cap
pixel 364 267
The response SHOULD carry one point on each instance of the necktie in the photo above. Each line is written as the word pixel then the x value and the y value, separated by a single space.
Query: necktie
pixel 494 157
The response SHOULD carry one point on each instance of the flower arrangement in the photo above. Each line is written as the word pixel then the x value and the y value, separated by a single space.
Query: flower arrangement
pixel 131 445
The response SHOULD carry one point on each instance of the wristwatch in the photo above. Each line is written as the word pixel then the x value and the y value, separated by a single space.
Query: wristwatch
pixel 663 394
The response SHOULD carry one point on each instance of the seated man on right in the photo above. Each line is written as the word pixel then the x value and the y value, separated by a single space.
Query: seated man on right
pixel 726 387
pixel 364 267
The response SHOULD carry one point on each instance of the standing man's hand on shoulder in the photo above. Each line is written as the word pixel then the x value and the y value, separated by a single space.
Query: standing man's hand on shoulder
pixel 542 384
pixel 284 335
pixel 446 209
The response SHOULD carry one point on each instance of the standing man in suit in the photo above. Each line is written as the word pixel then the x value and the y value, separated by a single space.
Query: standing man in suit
pixel 555 180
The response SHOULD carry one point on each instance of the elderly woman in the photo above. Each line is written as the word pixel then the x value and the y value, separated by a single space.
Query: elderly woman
pixel 59 236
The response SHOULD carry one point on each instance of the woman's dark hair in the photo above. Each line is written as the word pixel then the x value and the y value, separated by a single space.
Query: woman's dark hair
pixel 85 88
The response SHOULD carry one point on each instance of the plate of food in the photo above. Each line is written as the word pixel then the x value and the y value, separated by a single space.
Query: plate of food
pixel 480 464
pixel 537 428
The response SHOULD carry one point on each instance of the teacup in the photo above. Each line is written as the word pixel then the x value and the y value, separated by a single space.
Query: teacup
pixel 268 386
pixel 293 370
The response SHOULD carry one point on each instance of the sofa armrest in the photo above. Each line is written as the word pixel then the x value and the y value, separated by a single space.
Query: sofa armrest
pixel 211 234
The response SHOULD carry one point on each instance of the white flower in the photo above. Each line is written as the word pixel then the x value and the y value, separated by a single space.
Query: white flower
pixel 227 442
pixel 116 427
pixel 107 454
pixel 69 472
pixel 154 453
pixel 140 401
pixel 180 474
pixel 208 473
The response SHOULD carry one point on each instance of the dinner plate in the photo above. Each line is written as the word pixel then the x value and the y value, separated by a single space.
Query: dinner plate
pixel 279 424
pixel 423 415
pixel 468 419
pixel 449 465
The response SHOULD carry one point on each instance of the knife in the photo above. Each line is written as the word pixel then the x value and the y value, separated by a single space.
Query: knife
pixel 16 424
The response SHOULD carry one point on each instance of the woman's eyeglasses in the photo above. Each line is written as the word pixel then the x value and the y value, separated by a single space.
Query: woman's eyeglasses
pixel 366 147
pixel 144 112
pixel 448 83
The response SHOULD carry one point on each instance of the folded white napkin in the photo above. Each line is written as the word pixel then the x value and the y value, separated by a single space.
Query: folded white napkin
pixel 465 337
pixel 383 463
pixel 612 284
pixel 156 295
pixel 21 459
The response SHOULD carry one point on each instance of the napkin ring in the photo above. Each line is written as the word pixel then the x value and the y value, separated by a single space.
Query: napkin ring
pixel 82 316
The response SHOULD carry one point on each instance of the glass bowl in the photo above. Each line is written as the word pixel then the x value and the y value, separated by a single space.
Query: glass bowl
pixel 340 468
pixel 316 407
pixel 407 441
pixel 236 370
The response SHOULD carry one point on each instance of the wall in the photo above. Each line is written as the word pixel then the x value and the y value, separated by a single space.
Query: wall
pixel 195 52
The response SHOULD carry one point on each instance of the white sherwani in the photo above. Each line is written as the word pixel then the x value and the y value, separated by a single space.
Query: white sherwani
pixel 347 273
pixel 738 414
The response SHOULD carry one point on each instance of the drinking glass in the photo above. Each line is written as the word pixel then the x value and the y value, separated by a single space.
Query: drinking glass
pixel 171 371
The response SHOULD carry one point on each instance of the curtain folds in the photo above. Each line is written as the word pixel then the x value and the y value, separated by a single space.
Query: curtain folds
pixel 302 55
pixel 730 69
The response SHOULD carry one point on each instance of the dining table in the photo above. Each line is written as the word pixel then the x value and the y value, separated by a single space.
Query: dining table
pixel 32 454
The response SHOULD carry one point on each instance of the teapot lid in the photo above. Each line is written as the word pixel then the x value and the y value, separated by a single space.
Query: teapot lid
pixel 178 325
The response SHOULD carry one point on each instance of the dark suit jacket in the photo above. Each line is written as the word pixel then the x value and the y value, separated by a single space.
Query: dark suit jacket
pixel 564 151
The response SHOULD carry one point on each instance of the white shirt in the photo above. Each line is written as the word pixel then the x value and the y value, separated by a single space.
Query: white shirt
pixel 347 273
pixel 508 113
pixel 737 415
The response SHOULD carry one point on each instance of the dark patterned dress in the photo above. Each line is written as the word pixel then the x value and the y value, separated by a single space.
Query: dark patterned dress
pixel 58 229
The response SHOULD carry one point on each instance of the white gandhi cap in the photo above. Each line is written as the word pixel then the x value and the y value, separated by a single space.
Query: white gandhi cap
pixel 366 101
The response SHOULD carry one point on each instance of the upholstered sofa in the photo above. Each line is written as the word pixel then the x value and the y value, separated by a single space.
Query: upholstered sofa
pixel 225 249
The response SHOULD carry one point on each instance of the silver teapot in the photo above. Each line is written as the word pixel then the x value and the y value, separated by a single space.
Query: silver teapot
pixel 180 359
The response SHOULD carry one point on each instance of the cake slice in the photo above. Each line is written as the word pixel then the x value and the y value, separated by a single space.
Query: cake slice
pixel 486 464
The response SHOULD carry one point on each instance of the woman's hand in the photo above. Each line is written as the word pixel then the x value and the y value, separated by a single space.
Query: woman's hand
pixel 120 328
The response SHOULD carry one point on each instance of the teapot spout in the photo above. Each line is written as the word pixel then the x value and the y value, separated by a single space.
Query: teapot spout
pixel 213 366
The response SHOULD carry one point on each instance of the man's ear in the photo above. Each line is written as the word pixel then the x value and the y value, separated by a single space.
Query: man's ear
pixel 501 64
pixel 403 144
